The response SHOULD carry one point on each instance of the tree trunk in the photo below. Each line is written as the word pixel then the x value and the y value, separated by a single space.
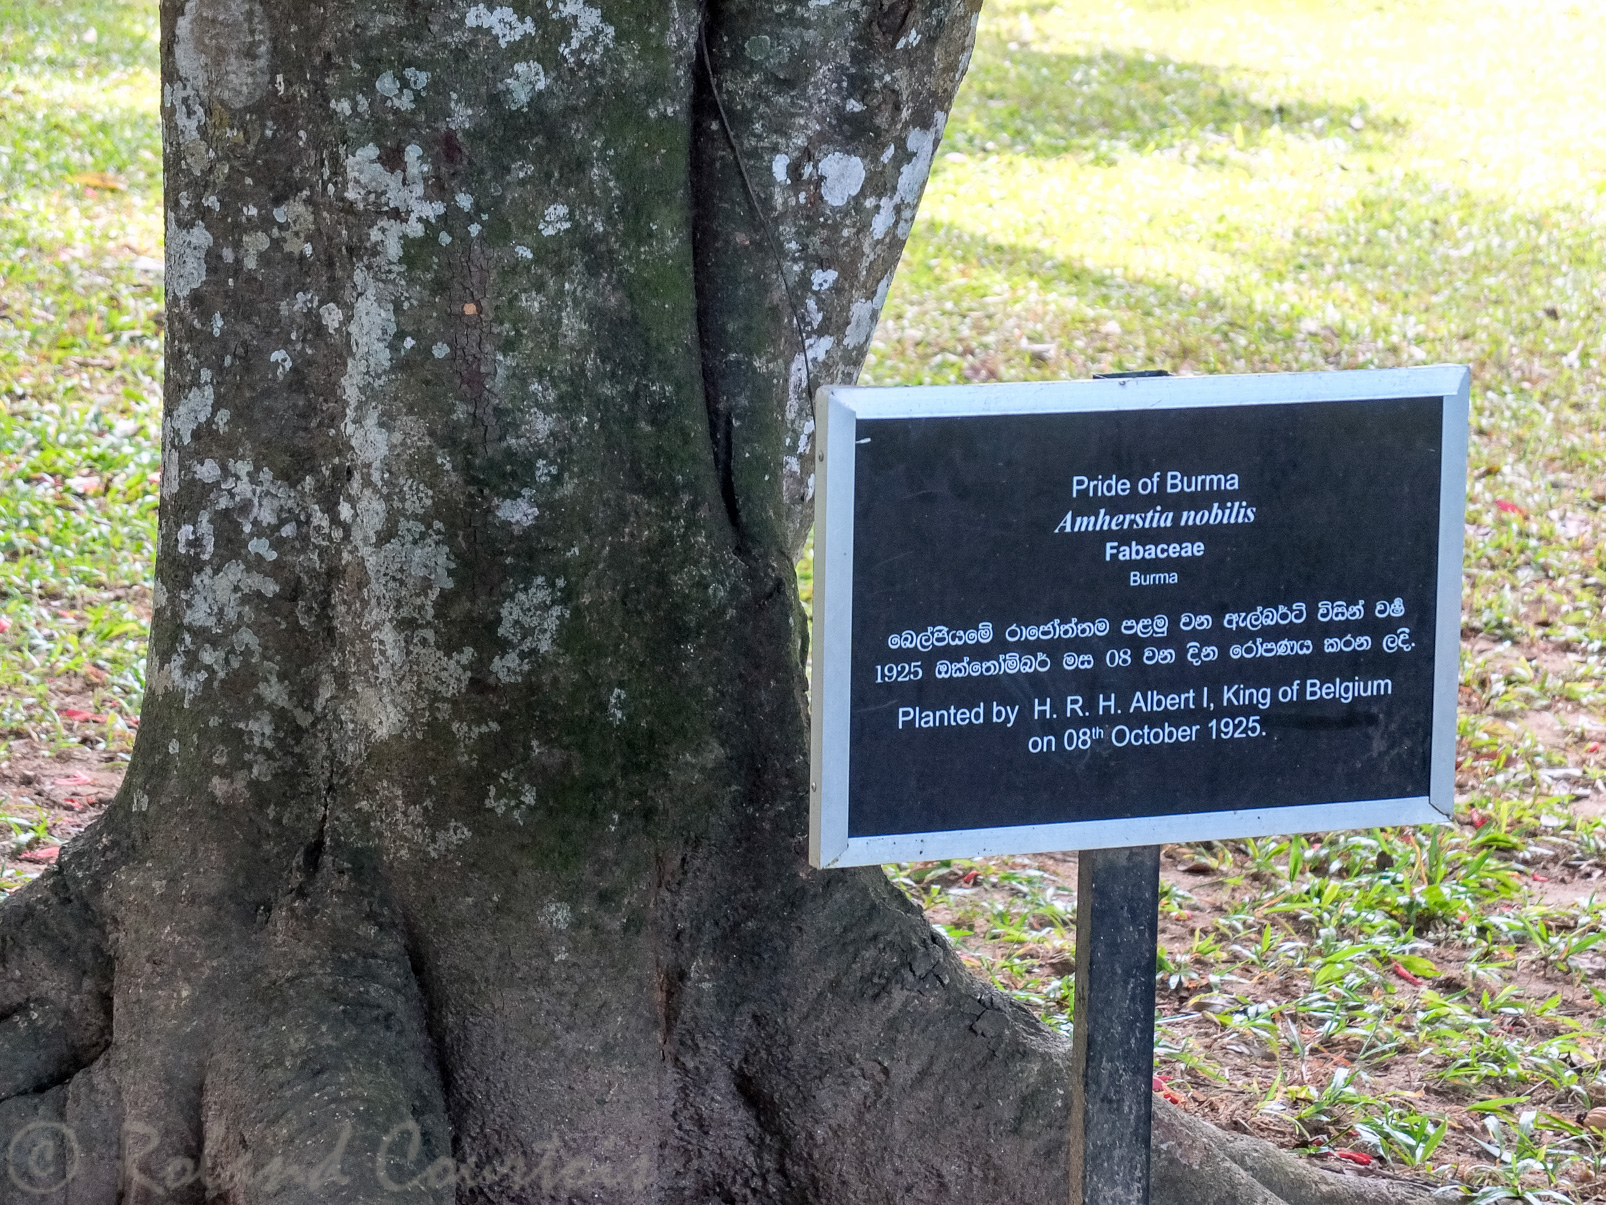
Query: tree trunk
pixel 462 853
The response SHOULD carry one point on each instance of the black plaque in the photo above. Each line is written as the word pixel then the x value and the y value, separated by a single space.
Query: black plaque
pixel 1068 616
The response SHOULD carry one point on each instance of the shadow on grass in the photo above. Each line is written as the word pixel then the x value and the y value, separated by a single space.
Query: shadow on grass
pixel 1402 273
pixel 1103 105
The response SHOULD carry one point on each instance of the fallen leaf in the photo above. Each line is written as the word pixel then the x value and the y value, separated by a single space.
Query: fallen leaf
pixel 98 180
pixel 1595 1119
pixel 44 854
pixel 1418 965
pixel 1161 1087
pixel 76 779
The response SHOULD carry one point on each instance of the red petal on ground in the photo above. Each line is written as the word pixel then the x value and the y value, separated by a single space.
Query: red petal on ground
pixel 1511 508
pixel 1159 1083
pixel 1409 978
pixel 5 624
pixel 1360 1157
pixel 73 780
pixel 47 854
pixel 78 715
pixel 1592 747
pixel 970 878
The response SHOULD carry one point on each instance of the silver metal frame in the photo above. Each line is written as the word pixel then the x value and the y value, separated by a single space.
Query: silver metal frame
pixel 837 410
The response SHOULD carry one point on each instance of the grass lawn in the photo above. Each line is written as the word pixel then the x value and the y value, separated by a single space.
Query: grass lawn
pixel 80 405
pixel 1198 186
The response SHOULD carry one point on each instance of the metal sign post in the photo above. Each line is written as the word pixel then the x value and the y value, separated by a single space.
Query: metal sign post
pixel 1112 1047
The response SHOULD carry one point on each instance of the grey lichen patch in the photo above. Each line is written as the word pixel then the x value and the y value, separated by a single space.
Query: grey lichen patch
pixel 252 245
pixel 186 256
pixel 507 26
pixel 194 408
pixel 863 314
pixel 912 175
pixel 222 51
pixel 404 823
pixel 509 797
pixel 467 734
pixel 520 511
pixel 373 326
pixel 526 80
pixel 591 37
pixel 257 499
pixel 841 177
pixel 399 678
pixel 197 539
pixel 298 220
pixel 408 571
pixel 372 185
pixel 555 220
pixel 399 97
pixel 399 553
pixel 222 597
pixel 530 621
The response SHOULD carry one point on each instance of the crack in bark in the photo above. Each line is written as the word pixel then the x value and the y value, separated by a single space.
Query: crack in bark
pixel 720 420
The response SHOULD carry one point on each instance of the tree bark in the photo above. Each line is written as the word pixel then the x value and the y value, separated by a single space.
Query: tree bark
pixel 462 852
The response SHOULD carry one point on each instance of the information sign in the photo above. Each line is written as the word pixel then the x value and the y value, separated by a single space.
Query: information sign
pixel 1080 615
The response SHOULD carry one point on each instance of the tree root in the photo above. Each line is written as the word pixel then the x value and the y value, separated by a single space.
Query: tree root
pixel 875 1067
pixel 325 1087
pixel 59 1146
pixel 55 985
pixel 1197 1163
pixel 831 1048
pixel 308 1076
